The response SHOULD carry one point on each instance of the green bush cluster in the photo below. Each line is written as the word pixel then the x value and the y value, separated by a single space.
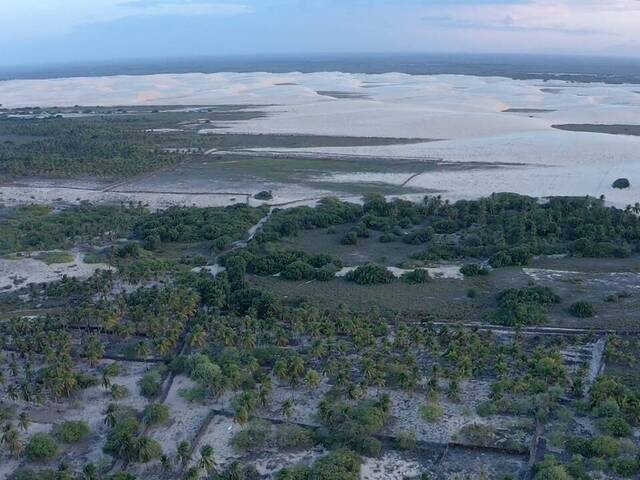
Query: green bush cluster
pixel 41 446
pixel 71 432
pixel 524 306
pixel 353 426
pixel 417 276
pixel 260 435
pixel 474 270
pixel 582 309
pixel 370 274
pixel 338 465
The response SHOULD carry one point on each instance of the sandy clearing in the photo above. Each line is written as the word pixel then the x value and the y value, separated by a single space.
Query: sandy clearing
pixel 19 272
pixel 389 467
pixel 441 271
pixel 187 417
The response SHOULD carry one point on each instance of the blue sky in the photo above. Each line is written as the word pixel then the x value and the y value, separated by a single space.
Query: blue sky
pixel 36 31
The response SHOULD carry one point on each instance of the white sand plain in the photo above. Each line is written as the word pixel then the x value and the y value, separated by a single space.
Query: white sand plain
pixel 466 112
pixel 16 273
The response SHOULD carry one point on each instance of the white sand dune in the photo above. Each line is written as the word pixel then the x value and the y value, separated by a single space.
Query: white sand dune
pixel 467 112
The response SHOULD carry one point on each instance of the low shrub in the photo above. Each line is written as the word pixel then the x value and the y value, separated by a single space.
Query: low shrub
pixel 615 426
pixel 41 446
pixel 370 274
pixel 626 467
pixel 419 275
pixel 264 195
pixel 326 273
pixel 155 414
pixel 350 238
pixel 431 413
pixel 582 310
pixel 150 384
pixel 474 270
pixel 298 270
pixel 605 447
pixel 621 183
pixel 71 432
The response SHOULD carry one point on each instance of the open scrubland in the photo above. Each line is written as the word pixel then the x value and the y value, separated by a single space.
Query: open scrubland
pixel 495 338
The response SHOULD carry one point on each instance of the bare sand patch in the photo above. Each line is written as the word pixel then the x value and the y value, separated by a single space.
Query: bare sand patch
pixel 18 272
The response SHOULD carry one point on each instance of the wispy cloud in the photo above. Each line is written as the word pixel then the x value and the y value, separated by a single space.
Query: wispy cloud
pixel 186 7
pixel 41 18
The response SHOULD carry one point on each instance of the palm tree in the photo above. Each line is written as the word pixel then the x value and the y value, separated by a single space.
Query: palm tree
pixel 11 439
pixel 12 392
pixel 198 337
pixel 207 460
pixel 184 452
pixel 111 415
pixel 89 472
pixel 192 474
pixel 145 449
pixel 287 408
pixel 106 380
pixel 281 369
pixel 165 462
pixel 312 379
pixel 24 421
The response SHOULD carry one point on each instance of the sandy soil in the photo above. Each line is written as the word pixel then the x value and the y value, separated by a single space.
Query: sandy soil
pixel 442 271
pixel 89 406
pixel 187 417
pixel 481 119
pixel 16 273
pixel 389 467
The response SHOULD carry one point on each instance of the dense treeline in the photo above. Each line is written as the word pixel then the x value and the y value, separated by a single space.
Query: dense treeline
pixel 506 228
pixel 65 147
pixel 197 224
pixel 38 227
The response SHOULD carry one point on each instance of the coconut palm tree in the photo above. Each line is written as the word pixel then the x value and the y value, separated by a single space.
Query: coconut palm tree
pixel 207 460
pixel 111 415
pixel 312 379
pixel 145 448
pixel 24 421
pixel 184 453
pixel 286 410
pixel 192 474
pixel 90 472
pixel 11 440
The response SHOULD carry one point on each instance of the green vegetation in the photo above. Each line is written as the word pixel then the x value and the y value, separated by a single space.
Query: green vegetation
pixel 474 270
pixel 125 440
pixel 41 446
pixel 151 384
pixel 353 426
pixel 257 347
pixel 416 277
pixel 524 306
pixel 370 274
pixel 259 435
pixel 338 465
pixel 52 258
pixel 71 432
pixel 155 414
pixel 431 412
pixel 38 228
pixel 582 309
pixel 264 195
pixel 621 183
pixel 66 147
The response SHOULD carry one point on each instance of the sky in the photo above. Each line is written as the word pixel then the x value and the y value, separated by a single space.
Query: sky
pixel 63 31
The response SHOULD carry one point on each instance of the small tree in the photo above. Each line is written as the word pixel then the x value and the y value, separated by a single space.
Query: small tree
pixel 41 446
